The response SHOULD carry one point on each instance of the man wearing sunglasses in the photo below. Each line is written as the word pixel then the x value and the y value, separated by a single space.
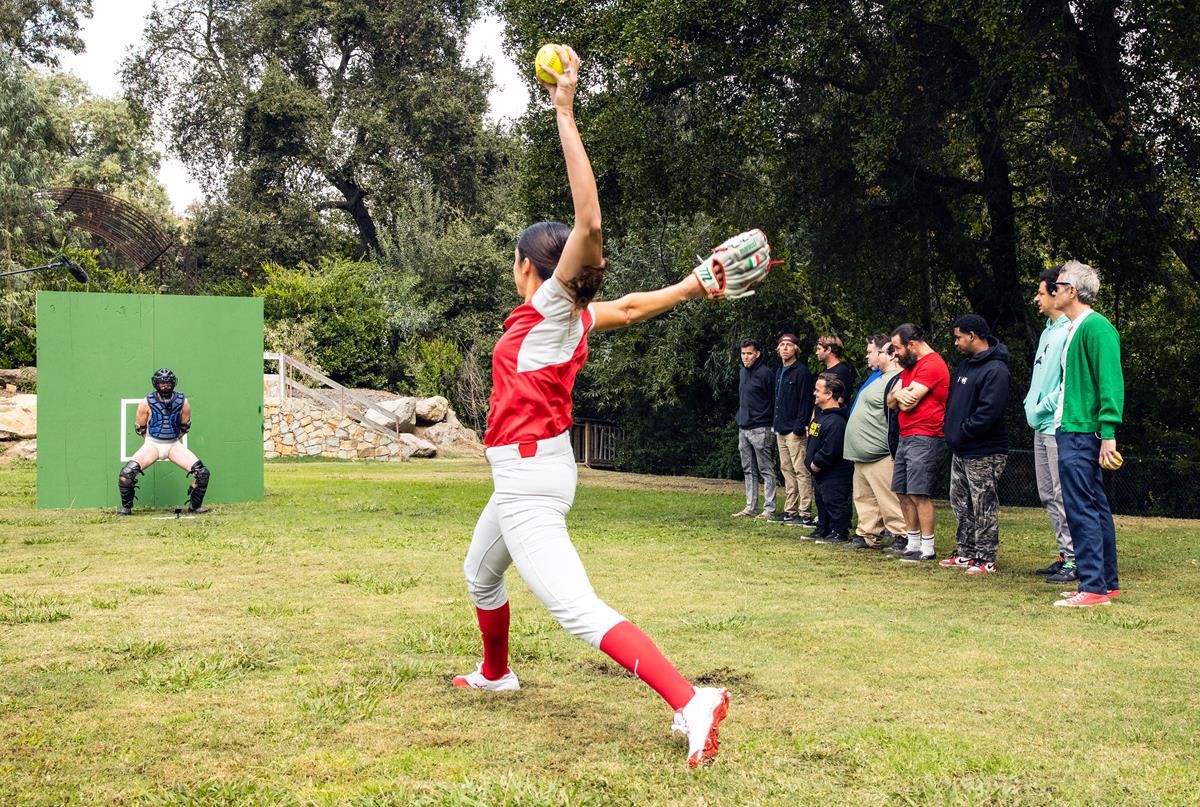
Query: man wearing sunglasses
pixel 1089 411
pixel 1041 404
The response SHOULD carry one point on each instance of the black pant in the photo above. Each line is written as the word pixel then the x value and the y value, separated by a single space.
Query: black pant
pixel 833 491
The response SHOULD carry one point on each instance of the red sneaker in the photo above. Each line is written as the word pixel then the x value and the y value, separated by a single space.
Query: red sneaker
pixel 1084 599
pixel 979 567
pixel 954 562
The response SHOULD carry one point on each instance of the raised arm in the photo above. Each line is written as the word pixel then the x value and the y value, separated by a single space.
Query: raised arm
pixel 580 269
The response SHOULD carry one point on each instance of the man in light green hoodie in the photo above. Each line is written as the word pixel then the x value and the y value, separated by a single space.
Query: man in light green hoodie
pixel 1045 388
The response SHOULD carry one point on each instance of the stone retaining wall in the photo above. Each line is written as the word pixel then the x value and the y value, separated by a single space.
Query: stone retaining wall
pixel 297 427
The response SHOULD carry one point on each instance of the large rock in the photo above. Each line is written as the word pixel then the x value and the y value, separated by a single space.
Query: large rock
pixel 413 446
pixel 23 378
pixel 446 434
pixel 432 410
pixel 24 450
pixel 18 416
pixel 403 412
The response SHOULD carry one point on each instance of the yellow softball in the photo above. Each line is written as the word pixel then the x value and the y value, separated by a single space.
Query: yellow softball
pixel 547 56
pixel 1117 462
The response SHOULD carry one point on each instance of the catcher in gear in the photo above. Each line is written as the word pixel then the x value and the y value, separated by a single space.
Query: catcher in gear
pixel 558 271
pixel 163 418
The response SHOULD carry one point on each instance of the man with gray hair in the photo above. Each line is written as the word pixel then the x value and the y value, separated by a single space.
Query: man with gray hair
pixel 1089 410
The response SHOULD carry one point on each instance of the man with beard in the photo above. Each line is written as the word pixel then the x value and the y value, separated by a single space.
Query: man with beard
pixel 920 395
pixel 793 410
pixel 978 439
pixel 867 446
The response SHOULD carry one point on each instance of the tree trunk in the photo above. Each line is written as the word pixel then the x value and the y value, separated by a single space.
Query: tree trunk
pixel 356 205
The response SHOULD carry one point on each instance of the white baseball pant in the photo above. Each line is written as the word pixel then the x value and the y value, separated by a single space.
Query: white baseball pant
pixel 524 523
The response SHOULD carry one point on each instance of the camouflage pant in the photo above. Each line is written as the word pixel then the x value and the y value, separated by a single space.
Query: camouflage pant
pixel 976 504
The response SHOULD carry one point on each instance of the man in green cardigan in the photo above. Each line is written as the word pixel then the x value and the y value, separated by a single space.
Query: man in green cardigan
pixel 1089 411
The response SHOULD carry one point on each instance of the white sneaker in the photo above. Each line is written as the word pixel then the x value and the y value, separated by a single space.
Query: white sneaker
pixel 475 680
pixel 699 720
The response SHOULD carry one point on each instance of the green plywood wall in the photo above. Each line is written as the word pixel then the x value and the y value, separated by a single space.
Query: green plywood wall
pixel 96 350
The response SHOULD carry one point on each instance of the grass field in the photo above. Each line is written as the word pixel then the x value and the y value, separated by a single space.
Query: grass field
pixel 298 651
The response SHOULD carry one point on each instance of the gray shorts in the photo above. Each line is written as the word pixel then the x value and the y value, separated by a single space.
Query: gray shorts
pixel 917 462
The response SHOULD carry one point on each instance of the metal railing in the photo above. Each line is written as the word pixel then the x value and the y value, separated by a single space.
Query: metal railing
pixel 595 443
pixel 330 394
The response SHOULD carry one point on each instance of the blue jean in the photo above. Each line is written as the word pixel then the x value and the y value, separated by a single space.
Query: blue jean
pixel 1088 514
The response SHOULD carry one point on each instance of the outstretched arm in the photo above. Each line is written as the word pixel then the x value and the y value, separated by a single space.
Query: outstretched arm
pixel 581 266
pixel 643 305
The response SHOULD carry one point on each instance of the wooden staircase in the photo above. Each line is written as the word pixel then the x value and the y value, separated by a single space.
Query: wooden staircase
pixel 328 393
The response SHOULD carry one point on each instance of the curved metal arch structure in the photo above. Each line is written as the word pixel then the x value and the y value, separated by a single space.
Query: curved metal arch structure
pixel 122 224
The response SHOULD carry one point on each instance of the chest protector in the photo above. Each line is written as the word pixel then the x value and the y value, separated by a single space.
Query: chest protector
pixel 165 416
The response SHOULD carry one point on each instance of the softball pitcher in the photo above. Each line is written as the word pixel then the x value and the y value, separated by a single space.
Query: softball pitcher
pixel 557 271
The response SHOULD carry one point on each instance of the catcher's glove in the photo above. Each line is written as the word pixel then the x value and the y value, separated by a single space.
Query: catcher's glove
pixel 139 430
pixel 185 427
pixel 735 267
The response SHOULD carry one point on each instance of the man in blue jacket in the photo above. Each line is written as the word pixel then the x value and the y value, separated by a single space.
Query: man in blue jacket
pixel 793 410
pixel 978 437
pixel 833 474
pixel 756 443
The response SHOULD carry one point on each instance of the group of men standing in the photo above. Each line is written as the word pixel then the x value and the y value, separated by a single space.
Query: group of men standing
pixel 882 448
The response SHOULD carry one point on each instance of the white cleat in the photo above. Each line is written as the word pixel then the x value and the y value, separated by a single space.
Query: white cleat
pixel 505 683
pixel 699 721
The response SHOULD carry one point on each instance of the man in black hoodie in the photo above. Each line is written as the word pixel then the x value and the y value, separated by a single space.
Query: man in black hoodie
pixel 833 474
pixel 756 442
pixel 978 437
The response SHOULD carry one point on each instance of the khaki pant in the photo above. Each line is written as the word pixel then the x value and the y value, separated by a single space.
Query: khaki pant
pixel 877 506
pixel 797 479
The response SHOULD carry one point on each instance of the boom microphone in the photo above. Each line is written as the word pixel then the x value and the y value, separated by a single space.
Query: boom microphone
pixel 76 270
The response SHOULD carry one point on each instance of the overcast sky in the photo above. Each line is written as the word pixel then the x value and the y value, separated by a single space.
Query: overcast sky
pixel 116 27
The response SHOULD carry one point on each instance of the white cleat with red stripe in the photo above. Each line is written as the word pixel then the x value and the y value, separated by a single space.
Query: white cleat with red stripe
pixel 699 720
pixel 475 680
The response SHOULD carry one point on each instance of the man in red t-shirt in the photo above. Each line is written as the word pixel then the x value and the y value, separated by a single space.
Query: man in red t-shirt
pixel 920 396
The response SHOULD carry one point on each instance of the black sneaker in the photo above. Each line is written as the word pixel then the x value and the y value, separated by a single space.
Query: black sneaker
pixel 805 520
pixel 832 538
pixel 125 511
pixel 783 518
pixel 815 535
pixel 1069 573
pixel 899 547
pixel 917 557
pixel 197 510
pixel 857 542
pixel 1053 568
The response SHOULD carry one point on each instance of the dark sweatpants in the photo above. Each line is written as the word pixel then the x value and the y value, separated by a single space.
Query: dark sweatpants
pixel 834 491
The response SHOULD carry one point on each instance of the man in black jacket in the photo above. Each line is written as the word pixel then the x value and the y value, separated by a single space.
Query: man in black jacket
pixel 833 474
pixel 756 443
pixel 793 410
pixel 978 437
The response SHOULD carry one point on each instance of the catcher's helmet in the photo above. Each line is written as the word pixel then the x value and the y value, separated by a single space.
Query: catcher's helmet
pixel 163 380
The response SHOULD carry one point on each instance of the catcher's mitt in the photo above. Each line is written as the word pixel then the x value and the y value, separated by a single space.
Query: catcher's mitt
pixel 736 266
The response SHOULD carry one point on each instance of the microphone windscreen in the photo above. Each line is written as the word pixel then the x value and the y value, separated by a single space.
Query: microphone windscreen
pixel 77 271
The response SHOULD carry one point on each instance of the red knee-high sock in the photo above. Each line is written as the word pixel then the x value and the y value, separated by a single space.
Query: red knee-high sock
pixel 493 625
pixel 635 651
